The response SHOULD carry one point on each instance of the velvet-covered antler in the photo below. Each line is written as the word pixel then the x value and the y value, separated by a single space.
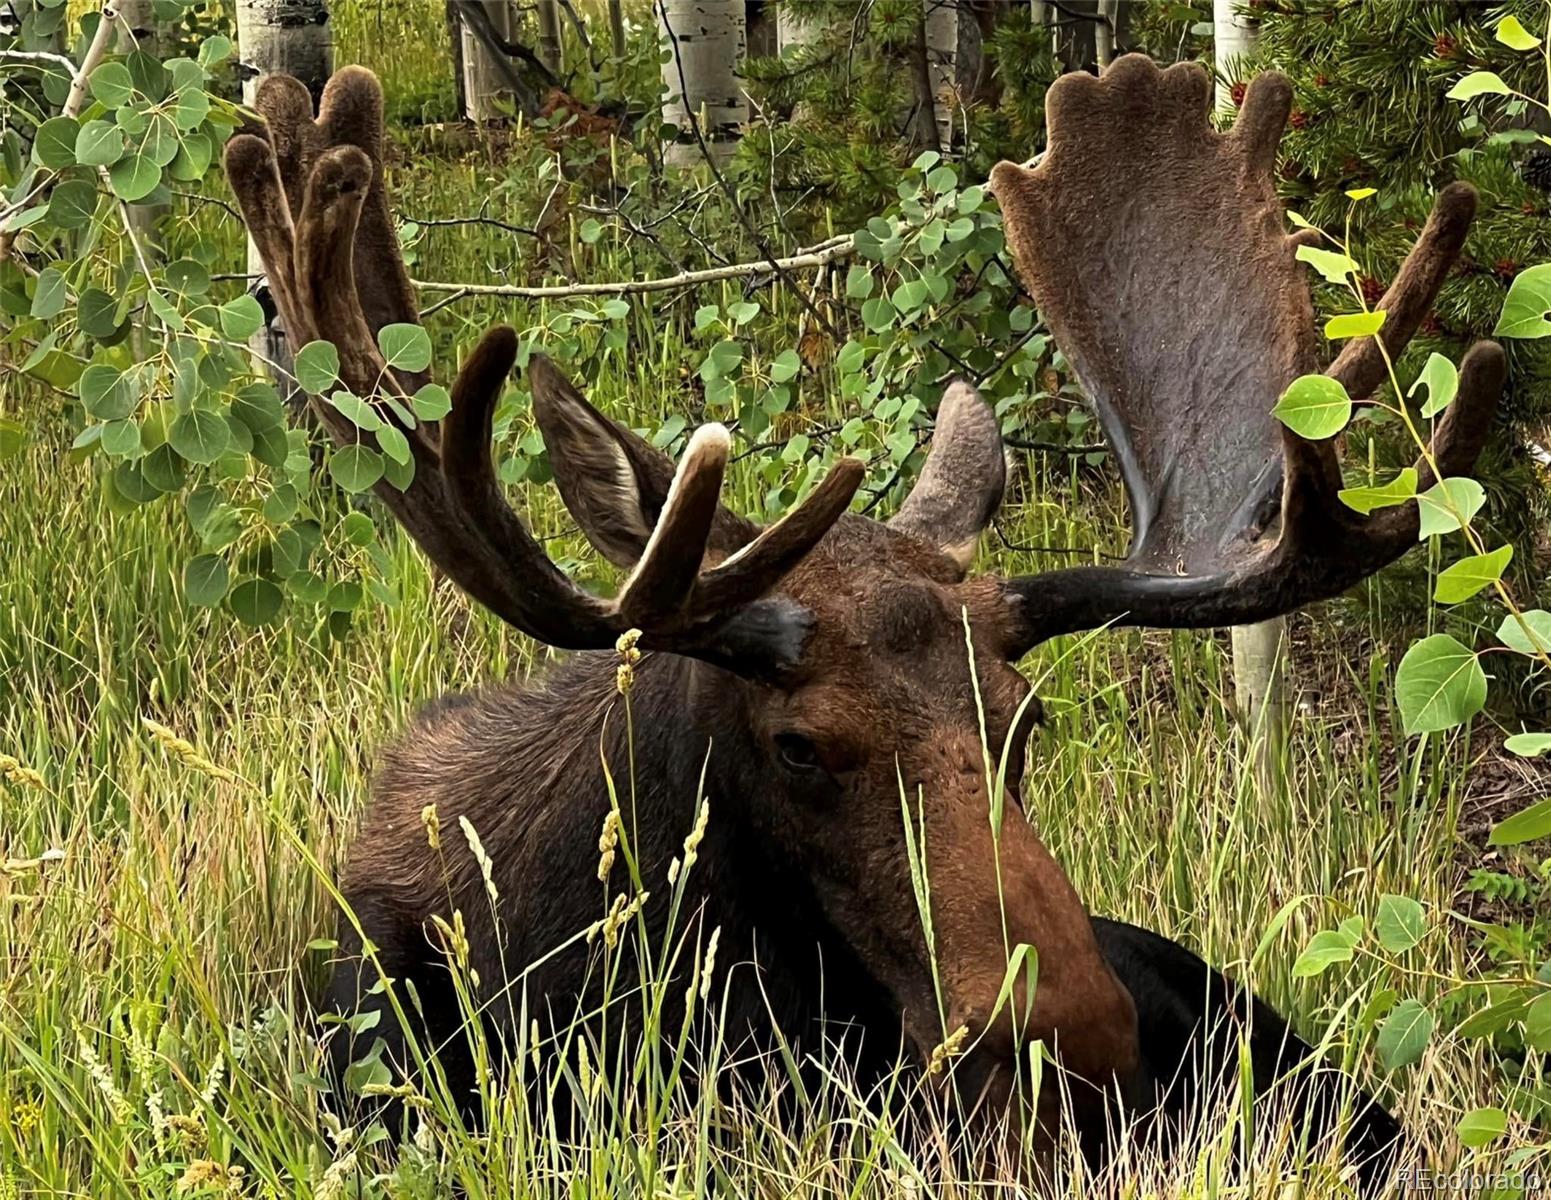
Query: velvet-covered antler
pixel 1154 248
pixel 312 197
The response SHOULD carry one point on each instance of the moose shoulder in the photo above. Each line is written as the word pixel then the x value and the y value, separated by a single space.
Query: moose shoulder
pixel 804 677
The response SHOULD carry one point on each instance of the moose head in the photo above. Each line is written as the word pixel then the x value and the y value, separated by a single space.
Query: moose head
pixel 825 666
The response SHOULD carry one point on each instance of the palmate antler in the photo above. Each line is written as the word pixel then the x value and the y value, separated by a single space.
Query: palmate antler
pixel 312 197
pixel 1154 247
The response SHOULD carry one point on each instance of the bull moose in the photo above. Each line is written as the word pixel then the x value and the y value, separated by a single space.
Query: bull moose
pixel 807 674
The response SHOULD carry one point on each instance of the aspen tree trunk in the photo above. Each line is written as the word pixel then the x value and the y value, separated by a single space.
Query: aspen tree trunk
pixel 549 47
pixel 791 30
pixel 1259 651
pixel 290 36
pixel 1104 32
pixel 702 76
pixel 942 65
pixel 484 83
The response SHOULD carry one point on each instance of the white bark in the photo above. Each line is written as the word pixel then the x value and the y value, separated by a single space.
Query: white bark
pixel 484 86
pixel 1259 651
pixel 549 47
pixel 705 41
pixel 290 36
pixel 138 30
pixel 1104 32
pixel 792 30
pixel 942 64
pixel 1233 38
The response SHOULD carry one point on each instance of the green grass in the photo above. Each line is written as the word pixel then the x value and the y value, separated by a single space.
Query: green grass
pixel 156 1024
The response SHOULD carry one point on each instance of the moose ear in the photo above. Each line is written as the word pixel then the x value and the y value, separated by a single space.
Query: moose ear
pixel 961 485
pixel 612 481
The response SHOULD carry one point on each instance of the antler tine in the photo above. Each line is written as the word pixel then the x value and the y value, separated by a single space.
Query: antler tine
pixel 255 180
pixel 656 590
pixel 543 602
pixel 1360 366
pixel 760 565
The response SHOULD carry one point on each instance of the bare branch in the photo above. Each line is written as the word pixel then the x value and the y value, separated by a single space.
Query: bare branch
pixel 822 255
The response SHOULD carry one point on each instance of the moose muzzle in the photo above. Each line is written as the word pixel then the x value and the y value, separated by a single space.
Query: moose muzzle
pixel 994 887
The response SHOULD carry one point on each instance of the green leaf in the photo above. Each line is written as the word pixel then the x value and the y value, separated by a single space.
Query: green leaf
pixel 405 347
pixel 199 436
pixel 1325 950
pixel 317 367
pixel 1332 264
pixel 1441 379
pixel 188 277
pixel 1537 1023
pixel 163 469
pixel 97 312
pixel 257 405
pixel 743 311
pixel 205 580
pixel 111 84
pixel 1513 35
pixel 13 438
pixel 99 144
pixel 214 50
pixel 50 294
pixel 1529 825
pixel 1446 503
pixel 394 444
pixel 106 393
pixel 135 177
pixel 1534 641
pixel 1478 83
pixel 1528 744
pixel 1440 684
pixel 1529 300
pixel 722 359
pixel 431 403
pixel 859 282
pixel 1314 407
pixel 1404 1035
pixel 241 318
pixel 355 468
pixel 1465 578
pixel 357 411
pixel 54 144
pixel 73 204
pixel 786 366
pixel 121 438
pixel 878 314
pixel 1482 1125
pixel 1400 923
pixel 1358 324
pixel 1397 491
pixel 256 601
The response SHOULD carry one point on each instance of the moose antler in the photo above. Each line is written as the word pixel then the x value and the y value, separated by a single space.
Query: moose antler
pixel 1154 248
pixel 312 197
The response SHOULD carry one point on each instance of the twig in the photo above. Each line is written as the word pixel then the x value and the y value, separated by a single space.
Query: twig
pixel 1055 447
pixel 434 222
pixel 1007 543
pixel 824 254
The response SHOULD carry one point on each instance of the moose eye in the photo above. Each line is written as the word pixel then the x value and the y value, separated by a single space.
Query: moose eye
pixel 797 752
